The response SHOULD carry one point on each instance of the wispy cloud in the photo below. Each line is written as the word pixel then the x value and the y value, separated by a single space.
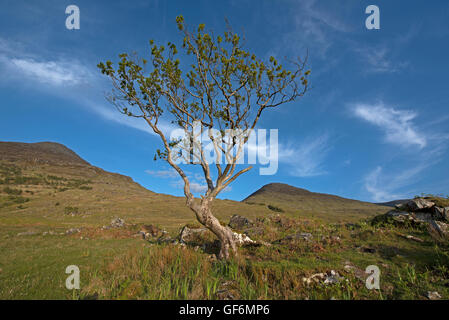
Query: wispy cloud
pixel 166 173
pixel 379 60
pixel 51 72
pixel 70 78
pixel 386 187
pixel 108 112
pixel 306 158
pixel 313 26
pixel 63 71
pixel 397 125
pixel 385 184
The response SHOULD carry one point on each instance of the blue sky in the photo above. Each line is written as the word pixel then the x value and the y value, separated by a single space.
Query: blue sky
pixel 374 127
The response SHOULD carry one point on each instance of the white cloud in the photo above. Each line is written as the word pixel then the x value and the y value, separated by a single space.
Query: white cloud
pixel 384 187
pixel 306 159
pixel 112 114
pixel 396 124
pixel 55 73
pixel 71 78
pixel 62 71
pixel 198 187
pixel 376 188
pixel 402 183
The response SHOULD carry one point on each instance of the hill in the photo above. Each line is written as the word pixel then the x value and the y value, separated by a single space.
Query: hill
pixel 393 202
pixel 40 152
pixel 285 198
pixel 42 182
pixel 56 210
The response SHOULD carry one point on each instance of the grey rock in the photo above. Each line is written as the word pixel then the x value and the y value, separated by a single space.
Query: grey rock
pixel 438 230
pixel 446 214
pixel 433 295
pixel 117 223
pixel 333 277
pixel 239 222
pixel 73 230
pixel 438 212
pixel 326 278
pixel 188 234
pixel 395 213
pixel 399 206
pixel 417 217
pixel 422 217
pixel 419 204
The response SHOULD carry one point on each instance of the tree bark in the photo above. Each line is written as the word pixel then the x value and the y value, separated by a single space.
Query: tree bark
pixel 224 234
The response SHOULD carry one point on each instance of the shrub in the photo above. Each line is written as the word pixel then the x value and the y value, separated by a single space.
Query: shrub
pixel 11 191
pixel 276 209
pixel 18 199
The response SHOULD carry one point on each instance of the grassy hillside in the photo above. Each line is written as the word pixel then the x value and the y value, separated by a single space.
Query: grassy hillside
pixel 300 202
pixel 56 210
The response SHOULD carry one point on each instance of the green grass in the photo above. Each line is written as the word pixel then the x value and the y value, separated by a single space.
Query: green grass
pixel 117 264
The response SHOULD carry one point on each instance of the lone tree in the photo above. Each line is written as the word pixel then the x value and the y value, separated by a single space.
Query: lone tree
pixel 220 88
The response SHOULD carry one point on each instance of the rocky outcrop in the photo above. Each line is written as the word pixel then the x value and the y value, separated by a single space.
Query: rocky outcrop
pixel 416 205
pixel 423 211
pixel 438 230
pixel 419 210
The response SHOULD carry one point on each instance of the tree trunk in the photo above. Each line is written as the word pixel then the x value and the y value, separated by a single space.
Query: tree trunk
pixel 224 234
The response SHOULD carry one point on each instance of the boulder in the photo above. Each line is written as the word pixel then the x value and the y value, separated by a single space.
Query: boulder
pixel 422 217
pixel 438 212
pixel 398 215
pixel 72 231
pixel 400 206
pixel 446 214
pixel 417 217
pixel 239 222
pixel 188 234
pixel 419 204
pixel 433 295
pixel 117 223
pixel 151 230
pixel 438 230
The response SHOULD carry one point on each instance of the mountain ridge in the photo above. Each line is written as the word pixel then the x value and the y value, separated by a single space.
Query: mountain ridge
pixel 284 197
pixel 43 161
pixel 40 152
